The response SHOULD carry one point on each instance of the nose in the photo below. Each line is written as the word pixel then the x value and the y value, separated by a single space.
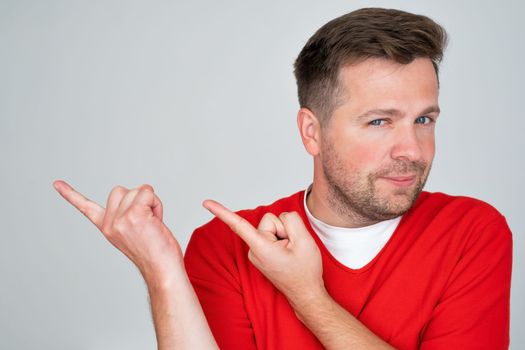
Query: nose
pixel 407 145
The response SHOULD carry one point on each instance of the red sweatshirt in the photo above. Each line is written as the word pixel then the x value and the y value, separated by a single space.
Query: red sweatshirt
pixel 442 281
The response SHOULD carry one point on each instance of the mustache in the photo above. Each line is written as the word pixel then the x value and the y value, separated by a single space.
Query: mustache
pixel 401 167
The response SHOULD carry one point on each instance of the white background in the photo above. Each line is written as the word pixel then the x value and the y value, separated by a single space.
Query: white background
pixel 198 99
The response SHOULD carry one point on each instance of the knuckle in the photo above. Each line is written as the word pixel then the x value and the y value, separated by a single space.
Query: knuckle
pixel 267 217
pixel 119 225
pixel 118 189
pixel 133 192
pixel 89 212
pixel 83 210
pixel 256 261
pixel 118 192
pixel 106 229
pixel 132 218
pixel 109 235
pixel 289 217
pixel 295 214
pixel 147 187
pixel 238 224
pixel 251 257
pixel 147 194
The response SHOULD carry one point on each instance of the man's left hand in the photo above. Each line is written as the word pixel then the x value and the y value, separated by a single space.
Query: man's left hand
pixel 282 249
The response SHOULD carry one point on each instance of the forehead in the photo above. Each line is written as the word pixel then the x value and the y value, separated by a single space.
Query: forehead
pixel 382 83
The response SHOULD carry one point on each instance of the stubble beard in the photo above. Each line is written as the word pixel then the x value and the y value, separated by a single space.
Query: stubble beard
pixel 355 196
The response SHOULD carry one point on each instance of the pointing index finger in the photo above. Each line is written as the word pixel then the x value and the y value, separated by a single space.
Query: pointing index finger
pixel 238 224
pixel 93 211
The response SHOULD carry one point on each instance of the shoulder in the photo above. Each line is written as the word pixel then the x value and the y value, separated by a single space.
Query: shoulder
pixel 437 203
pixel 468 266
pixel 465 217
pixel 456 236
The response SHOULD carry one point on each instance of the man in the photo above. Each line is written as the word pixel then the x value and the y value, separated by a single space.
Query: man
pixel 399 266
pixel 363 259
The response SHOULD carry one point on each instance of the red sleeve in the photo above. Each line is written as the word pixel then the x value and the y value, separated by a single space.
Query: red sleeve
pixel 473 311
pixel 212 267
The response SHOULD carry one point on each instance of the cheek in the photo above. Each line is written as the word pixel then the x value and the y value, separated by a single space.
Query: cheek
pixel 428 148
pixel 364 157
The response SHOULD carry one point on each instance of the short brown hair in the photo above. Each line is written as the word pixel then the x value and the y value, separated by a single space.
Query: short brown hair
pixel 366 33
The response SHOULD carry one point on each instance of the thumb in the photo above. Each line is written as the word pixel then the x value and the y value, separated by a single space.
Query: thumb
pixel 147 198
pixel 273 225
pixel 294 226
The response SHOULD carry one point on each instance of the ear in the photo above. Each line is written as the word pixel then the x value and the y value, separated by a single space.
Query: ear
pixel 310 130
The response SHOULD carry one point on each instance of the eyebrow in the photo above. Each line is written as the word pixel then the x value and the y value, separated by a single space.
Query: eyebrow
pixel 391 112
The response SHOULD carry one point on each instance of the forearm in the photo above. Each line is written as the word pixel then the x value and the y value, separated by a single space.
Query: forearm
pixel 177 315
pixel 132 222
pixel 333 326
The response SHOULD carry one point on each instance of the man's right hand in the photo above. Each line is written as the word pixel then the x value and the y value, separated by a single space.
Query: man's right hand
pixel 132 222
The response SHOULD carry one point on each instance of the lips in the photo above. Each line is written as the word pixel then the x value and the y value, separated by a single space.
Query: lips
pixel 401 181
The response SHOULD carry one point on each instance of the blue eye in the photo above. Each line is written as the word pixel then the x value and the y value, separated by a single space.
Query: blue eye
pixel 424 120
pixel 377 122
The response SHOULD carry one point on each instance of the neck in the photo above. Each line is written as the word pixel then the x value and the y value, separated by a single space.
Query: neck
pixel 320 206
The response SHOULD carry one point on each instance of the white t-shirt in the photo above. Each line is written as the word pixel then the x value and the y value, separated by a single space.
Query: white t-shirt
pixel 353 247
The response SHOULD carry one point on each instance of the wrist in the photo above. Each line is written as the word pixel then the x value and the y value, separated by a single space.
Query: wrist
pixel 303 300
pixel 165 277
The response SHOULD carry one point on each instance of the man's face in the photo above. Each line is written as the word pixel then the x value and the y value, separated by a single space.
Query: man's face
pixel 377 149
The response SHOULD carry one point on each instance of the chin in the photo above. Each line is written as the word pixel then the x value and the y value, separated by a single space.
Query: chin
pixel 403 202
pixel 399 202
pixel 399 209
